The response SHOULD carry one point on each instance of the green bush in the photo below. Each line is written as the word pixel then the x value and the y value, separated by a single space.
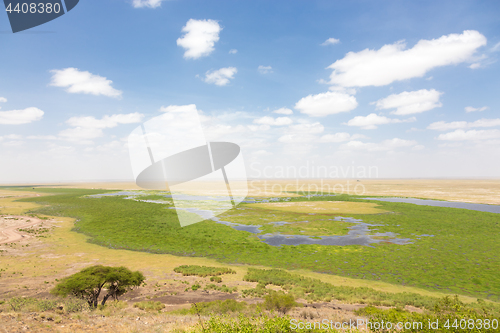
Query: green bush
pixel 279 301
pixel 149 306
pixel 223 288
pixel 216 279
pixel 202 271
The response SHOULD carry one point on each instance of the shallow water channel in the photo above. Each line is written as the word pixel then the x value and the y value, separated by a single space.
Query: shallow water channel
pixel 359 233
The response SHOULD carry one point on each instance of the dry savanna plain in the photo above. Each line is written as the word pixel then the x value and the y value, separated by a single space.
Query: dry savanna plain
pixel 293 255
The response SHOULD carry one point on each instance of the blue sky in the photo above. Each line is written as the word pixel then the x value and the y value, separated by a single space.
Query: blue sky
pixel 408 87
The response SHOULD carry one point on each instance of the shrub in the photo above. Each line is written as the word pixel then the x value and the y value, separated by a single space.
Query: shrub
pixel 279 301
pixel 216 279
pixel 202 271
pixel 149 306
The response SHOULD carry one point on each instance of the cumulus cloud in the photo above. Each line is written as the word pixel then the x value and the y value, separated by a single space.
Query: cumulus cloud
pixel 395 63
pixel 386 145
pixel 302 133
pixel 83 82
pixel 199 38
pixel 472 109
pixel 265 69
pixel 325 104
pixel 339 137
pixel 330 41
pixel 106 121
pixel 19 117
pixel 444 126
pixel 283 111
pixel 146 3
pixel 221 76
pixel 280 121
pixel 233 51
pixel 3 100
pixel 410 102
pixel 84 129
pixel 472 135
pixel 373 120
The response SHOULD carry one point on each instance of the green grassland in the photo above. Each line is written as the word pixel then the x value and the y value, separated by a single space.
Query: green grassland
pixel 462 256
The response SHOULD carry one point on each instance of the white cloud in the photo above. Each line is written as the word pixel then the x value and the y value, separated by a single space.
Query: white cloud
pixel 84 129
pixel 146 3
pixel 496 47
pixel 325 104
pixel 444 126
pixel 283 111
pixel 199 38
pixel 472 135
pixel 255 128
pixel 307 128
pixel 82 135
pixel 475 65
pixel 373 120
pixel 83 82
pixel 106 121
pixel 386 145
pixel 221 76
pixel 233 51
pixel 280 121
pixel 410 102
pixel 42 137
pixel 19 117
pixel 340 137
pixel 331 41
pixel 3 100
pixel 265 69
pixel 393 63
pixel 472 109
pixel 297 138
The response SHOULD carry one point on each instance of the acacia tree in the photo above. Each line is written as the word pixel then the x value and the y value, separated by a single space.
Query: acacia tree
pixel 88 283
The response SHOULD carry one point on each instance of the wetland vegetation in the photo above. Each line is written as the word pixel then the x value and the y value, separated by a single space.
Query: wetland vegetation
pixel 461 257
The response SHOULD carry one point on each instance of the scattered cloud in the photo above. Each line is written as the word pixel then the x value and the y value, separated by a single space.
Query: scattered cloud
pixel 233 51
pixel 472 109
pixel 472 135
pixel 283 111
pixel 373 120
pixel 19 117
pixel 265 69
pixel 496 47
pixel 340 137
pixel 106 121
pixel 444 126
pixel 221 76
pixel 199 38
pixel 386 145
pixel 325 104
pixel 3 100
pixel 84 129
pixel 280 121
pixel 146 3
pixel 307 128
pixel 330 41
pixel 83 82
pixel 410 102
pixel 393 62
